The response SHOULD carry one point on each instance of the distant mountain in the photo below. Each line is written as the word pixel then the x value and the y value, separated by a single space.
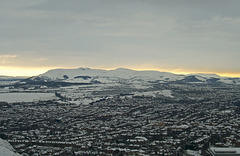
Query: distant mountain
pixel 86 75
pixel 6 149
pixel 122 75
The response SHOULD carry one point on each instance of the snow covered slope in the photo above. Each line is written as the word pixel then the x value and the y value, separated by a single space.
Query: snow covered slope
pixel 105 76
pixel 87 75
pixel 6 149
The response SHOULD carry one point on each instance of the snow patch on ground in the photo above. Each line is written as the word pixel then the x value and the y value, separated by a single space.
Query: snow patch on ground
pixel 226 81
pixel 26 97
pixel 7 82
pixel 166 93
pixel 6 149
pixel 140 86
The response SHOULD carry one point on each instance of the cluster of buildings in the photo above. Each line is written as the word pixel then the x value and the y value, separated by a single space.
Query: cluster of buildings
pixel 195 121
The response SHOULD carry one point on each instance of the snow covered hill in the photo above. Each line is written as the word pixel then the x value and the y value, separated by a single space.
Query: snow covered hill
pixel 6 149
pixel 87 75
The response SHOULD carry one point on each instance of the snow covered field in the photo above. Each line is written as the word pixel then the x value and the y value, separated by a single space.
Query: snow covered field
pixel 166 93
pixel 26 97
pixel 7 82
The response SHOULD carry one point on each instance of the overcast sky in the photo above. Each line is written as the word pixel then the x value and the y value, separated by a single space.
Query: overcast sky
pixel 174 35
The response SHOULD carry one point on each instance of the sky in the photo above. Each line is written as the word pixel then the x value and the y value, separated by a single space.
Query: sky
pixel 180 36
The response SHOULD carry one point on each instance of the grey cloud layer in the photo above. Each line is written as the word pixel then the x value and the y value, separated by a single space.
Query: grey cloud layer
pixel 113 32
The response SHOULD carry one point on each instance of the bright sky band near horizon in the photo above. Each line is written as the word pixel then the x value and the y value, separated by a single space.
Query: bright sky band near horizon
pixel 179 36
pixel 9 71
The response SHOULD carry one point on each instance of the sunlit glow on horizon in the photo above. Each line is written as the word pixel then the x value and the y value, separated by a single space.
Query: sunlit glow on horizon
pixel 24 71
pixel 18 71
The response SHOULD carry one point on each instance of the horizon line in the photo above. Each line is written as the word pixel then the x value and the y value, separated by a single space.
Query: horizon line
pixel 29 72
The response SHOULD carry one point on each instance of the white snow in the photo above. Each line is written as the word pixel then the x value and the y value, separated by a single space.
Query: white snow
pixel 201 78
pixel 26 97
pixel 7 82
pixel 122 75
pixel 140 86
pixel 6 149
pixel 106 76
pixel 166 93
pixel 206 75
pixel 226 81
